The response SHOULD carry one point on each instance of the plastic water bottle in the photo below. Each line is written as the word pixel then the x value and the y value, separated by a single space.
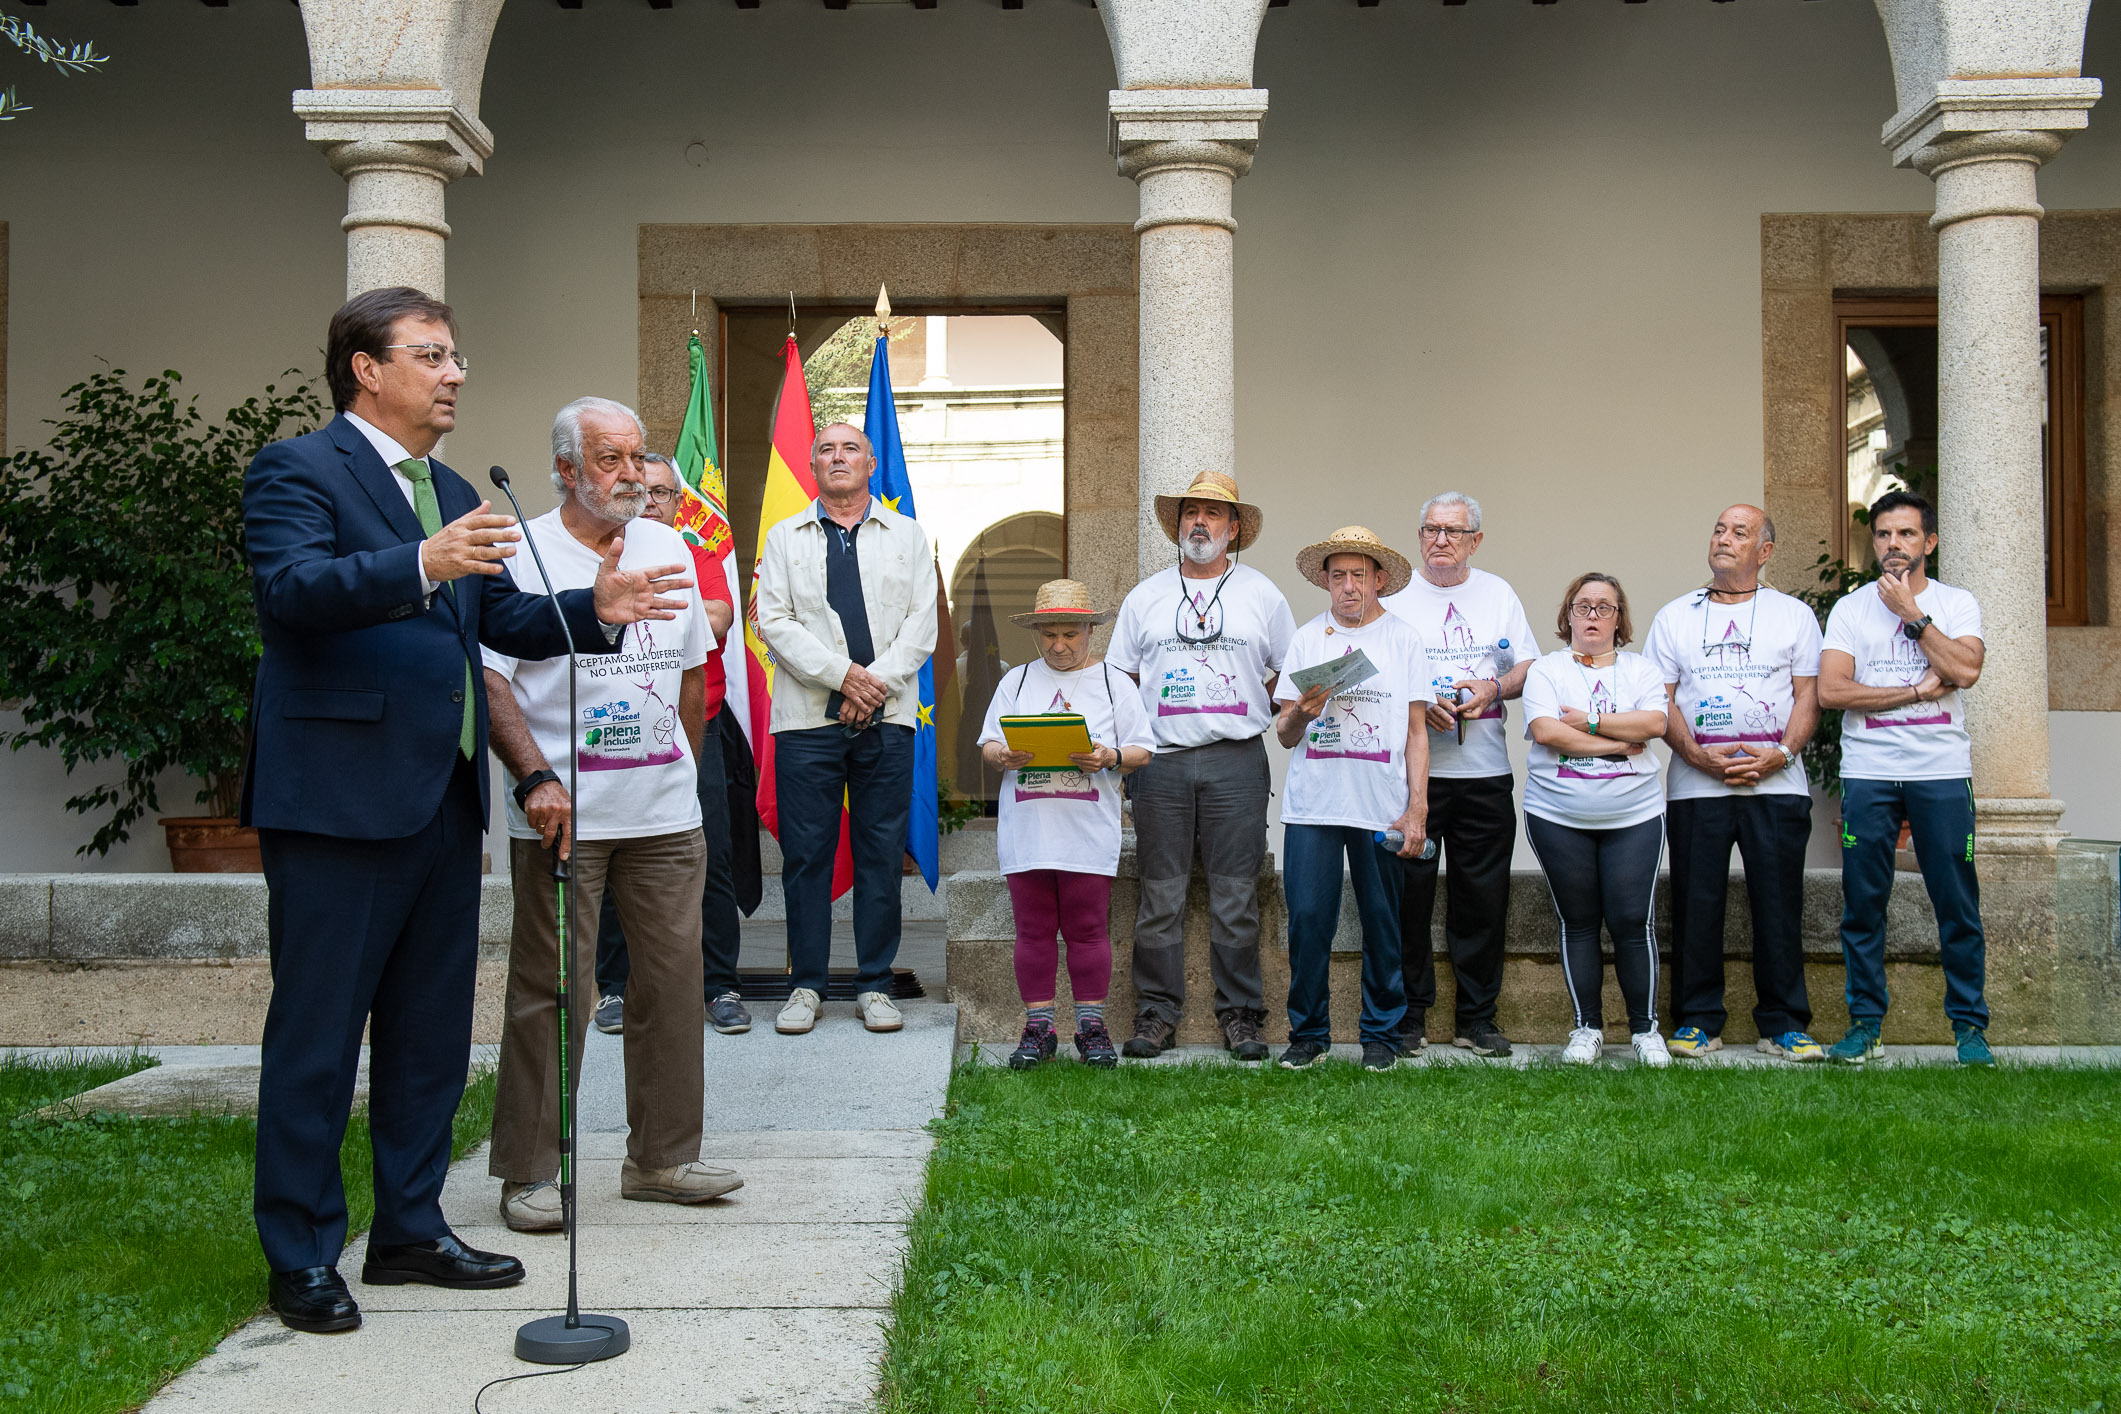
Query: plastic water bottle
pixel 1396 840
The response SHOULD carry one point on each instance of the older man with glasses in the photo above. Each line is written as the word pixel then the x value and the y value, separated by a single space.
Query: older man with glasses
pixel 721 934
pixel 1480 647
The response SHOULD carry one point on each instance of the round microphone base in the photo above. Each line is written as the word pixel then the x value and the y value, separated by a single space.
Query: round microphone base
pixel 549 1340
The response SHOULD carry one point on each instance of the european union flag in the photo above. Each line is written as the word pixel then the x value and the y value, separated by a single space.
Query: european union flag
pixel 890 484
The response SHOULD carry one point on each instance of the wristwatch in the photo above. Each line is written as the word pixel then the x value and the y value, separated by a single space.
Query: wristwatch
pixel 1914 630
pixel 530 783
pixel 1591 723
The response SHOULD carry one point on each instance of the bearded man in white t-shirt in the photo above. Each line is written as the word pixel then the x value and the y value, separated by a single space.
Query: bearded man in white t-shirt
pixel 637 723
pixel 1480 647
pixel 1205 641
pixel 1899 652
pixel 1741 671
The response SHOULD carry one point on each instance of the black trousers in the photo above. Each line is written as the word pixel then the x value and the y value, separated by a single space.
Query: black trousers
pixel 375 933
pixel 1475 821
pixel 721 934
pixel 872 771
pixel 1604 878
pixel 1771 832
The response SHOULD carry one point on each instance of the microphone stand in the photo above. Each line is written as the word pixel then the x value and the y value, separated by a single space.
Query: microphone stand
pixel 572 1339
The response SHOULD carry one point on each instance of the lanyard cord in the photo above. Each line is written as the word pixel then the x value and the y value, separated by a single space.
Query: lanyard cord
pixel 1201 616
pixel 1751 624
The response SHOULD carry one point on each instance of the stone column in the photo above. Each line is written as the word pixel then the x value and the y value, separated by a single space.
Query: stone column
pixel 398 150
pixel 1185 148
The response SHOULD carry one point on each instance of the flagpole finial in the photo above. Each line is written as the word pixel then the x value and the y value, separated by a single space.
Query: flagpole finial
pixel 883 307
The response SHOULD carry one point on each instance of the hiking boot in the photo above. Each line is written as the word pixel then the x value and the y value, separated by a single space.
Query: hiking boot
pixel 1037 1044
pixel 1302 1055
pixel 1152 1037
pixel 1792 1046
pixel 1586 1045
pixel 1241 1036
pixel 1692 1043
pixel 1860 1045
pixel 728 1015
pixel 610 1015
pixel 1094 1044
pixel 1414 1033
pixel 1482 1039
pixel 1376 1055
pixel 1650 1050
pixel 1973 1045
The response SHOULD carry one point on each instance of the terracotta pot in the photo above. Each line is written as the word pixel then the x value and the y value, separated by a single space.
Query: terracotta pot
pixel 210 844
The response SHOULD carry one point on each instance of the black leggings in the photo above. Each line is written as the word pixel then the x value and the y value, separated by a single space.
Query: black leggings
pixel 1609 877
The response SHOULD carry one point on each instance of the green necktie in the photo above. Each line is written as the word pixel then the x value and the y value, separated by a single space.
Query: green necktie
pixel 429 511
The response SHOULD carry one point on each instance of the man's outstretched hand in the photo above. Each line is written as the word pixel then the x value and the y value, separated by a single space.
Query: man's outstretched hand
pixel 629 596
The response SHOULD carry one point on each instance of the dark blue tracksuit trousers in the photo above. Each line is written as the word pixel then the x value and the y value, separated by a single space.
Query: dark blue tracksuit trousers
pixel 1940 815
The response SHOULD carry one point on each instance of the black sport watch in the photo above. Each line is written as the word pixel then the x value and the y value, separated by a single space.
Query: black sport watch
pixel 530 783
pixel 1915 630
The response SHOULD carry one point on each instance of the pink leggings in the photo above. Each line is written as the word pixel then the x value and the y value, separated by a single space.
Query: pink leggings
pixel 1050 901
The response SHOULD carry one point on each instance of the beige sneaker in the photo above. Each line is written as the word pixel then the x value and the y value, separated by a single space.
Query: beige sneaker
pixel 877 1012
pixel 800 1014
pixel 532 1207
pixel 684 1183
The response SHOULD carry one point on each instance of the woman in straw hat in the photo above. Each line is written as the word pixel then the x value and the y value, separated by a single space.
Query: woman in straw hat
pixel 1059 830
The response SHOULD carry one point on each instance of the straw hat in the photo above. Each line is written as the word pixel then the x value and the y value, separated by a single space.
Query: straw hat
pixel 1211 486
pixel 1355 540
pixel 1062 601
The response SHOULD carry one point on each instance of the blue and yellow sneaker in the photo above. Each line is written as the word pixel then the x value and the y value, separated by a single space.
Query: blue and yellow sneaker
pixel 1860 1045
pixel 1692 1043
pixel 1792 1046
pixel 1973 1045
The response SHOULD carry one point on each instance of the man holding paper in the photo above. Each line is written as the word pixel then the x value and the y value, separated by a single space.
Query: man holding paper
pixel 1354 714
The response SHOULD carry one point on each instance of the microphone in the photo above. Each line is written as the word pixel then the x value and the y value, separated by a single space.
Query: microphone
pixel 573 1338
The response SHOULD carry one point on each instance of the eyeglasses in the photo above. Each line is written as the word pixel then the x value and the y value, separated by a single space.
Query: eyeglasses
pixel 662 495
pixel 433 354
pixel 1452 533
pixel 1584 609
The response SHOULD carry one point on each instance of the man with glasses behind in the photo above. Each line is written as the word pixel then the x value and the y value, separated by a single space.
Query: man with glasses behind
pixel 1479 649
pixel 720 927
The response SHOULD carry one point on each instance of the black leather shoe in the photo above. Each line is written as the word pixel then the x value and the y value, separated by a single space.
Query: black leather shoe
pixel 442 1262
pixel 313 1299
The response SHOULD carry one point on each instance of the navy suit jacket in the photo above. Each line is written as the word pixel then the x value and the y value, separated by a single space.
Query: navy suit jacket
pixel 359 701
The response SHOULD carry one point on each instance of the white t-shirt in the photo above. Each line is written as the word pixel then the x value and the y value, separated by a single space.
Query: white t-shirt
pixel 638 777
pixel 1351 767
pixel 1065 819
pixel 1733 664
pixel 1923 741
pixel 1476 629
pixel 1213 688
pixel 1591 792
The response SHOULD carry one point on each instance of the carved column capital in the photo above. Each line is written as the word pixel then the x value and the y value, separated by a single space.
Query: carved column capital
pixel 1966 122
pixel 1211 132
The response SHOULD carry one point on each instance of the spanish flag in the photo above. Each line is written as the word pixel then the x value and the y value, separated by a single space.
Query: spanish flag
pixel 790 489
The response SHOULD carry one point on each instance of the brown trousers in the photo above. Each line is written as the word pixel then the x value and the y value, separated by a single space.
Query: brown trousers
pixel 656 883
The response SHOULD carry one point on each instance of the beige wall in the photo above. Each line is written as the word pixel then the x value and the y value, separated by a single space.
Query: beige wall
pixel 1510 248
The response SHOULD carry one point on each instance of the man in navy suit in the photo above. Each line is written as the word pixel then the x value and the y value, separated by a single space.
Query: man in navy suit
pixel 377 574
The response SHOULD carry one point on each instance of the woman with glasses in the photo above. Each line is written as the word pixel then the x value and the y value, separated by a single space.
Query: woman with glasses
pixel 1594 810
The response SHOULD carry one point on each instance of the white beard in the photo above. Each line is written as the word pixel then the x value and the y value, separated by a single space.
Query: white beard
pixel 1204 552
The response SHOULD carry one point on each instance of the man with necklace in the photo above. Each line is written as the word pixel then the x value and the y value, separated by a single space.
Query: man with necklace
pixel 1205 640
pixel 1741 670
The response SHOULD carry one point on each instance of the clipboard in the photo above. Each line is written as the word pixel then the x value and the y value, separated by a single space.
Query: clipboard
pixel 1049 737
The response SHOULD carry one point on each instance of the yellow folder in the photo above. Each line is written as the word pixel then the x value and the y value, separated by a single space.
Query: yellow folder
pixel 1049 737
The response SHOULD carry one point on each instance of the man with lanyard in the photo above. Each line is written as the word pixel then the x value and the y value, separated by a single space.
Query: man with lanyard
pixel 1897 655
pixel 1480 647
pixel 1205 640
pixel 1741 671
pixel 1359 768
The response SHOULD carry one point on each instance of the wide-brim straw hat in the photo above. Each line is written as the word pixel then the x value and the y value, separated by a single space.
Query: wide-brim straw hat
pixel 1211 486
pixel 1062 601
pixel 1355 540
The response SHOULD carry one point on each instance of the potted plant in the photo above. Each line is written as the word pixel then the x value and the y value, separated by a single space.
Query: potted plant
pixel 126 625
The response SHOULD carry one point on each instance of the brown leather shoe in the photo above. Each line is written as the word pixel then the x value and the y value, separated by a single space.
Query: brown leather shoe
pixel 1152 1037
pixel 1241 1036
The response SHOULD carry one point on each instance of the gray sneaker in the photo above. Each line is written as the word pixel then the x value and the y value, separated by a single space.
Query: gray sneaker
pixel 726 1014
pixel 610 1015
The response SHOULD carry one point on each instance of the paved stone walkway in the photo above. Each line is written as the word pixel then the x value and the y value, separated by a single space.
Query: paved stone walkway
pixel 774 1299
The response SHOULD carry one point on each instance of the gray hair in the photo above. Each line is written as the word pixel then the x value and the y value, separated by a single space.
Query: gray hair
pixel 867 445
pixel 1767 528
pixel 658 459
pixel 567 432
pixel 1453 498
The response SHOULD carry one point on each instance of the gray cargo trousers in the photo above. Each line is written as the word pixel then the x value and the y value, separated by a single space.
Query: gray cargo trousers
pixel 1210 800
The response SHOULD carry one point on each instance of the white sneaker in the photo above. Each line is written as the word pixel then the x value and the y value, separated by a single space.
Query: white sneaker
pixel 877 1012
pixel 1585 1047
pixel 1650 1051
pixel 532 1207
pixel 800 1014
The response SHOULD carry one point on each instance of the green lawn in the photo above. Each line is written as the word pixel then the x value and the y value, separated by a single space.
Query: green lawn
pixel 1466 1239
pixel 126 1245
